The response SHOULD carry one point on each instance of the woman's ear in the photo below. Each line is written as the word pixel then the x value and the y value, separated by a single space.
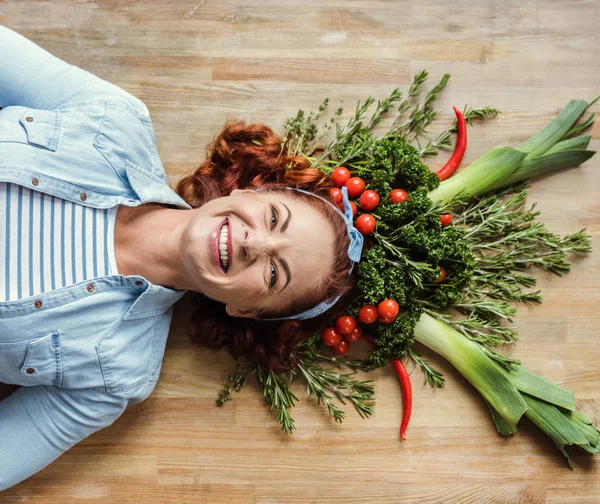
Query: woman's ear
pixel 241 191
pixel 232 311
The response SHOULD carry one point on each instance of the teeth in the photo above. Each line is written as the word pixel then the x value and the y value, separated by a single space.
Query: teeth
pixel 224 256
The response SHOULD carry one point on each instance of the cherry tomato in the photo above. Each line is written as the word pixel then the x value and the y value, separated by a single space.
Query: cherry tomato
pixel 368 314
pixel 336 195
pixel 369 200
pixel 340 176
pixel 445 219
pixel 354 335
pixel 355 186
pixel 341 348
pixel 442 276
pixel 365 224
pixel 352 205
pixel 384 320
pixel 345 324
pixel 388 308
pixel 398 196
pixel 331 336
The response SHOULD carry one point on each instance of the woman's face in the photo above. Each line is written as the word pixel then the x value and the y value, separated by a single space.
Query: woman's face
pixel 256 250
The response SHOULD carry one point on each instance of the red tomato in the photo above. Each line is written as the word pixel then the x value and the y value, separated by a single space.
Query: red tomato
pixel 354 335
pixel 388 308
pixel 368 314
pixel 352 205
pixel 355 186
pixel 445 219
pixel 369 200
pixel 336 195
pixel 341 348
pixel 384 320
pixel 442 276
pixel 398 196
pixel 340 176
pixel 345 324
pixel 365 224
pixel 330 336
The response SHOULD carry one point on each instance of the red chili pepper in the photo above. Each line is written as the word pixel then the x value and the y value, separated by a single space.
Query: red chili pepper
pixel 406 388
pixel 459 150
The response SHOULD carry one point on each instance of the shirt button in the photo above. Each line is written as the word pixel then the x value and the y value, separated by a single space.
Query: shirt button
pixel 90 287
pixel 30 370
pixel 139 283
pixel 29 118
pixel 83 196
pixel 35 181
pixel 38 304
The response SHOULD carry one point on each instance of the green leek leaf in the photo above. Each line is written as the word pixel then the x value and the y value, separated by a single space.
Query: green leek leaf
pixel 536 386
pixel 578 142
pixel 542 165
pixel 553 422
pixel 502 426
pixel 538 144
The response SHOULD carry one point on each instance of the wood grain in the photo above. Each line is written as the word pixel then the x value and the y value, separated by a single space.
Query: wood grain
pixel 197 64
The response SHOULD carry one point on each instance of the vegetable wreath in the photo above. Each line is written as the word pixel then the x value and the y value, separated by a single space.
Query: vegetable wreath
pixel 447 259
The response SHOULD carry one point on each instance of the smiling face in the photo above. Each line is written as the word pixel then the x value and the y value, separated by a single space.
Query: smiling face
pixel 259 250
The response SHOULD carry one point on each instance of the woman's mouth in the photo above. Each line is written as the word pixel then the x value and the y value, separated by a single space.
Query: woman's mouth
pixel 221 245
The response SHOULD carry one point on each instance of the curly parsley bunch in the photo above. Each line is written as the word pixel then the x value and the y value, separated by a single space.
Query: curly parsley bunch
pixel 403 258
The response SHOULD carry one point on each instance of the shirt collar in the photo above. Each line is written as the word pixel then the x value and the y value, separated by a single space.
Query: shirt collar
pixel 151 188
pixel 154 300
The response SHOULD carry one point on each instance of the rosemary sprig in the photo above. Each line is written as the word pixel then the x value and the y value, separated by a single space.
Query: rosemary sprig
pixel 432 376
pixel 278 395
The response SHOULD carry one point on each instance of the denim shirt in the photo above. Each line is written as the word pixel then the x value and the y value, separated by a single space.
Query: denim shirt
pixel 83 352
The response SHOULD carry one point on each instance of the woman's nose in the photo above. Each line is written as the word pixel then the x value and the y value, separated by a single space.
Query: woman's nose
pixel 255 244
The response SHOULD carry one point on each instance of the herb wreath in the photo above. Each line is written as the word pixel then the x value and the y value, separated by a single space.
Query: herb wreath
pixel 445 263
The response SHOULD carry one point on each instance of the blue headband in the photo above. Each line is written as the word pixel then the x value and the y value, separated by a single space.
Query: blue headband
pixel 354 252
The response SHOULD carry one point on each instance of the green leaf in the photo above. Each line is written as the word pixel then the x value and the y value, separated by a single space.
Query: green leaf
pixel 552 421
pixel 544 164
pixel 580 127
pixel 575 143
pixel 536 386
pixel 539 143
pixel 502 426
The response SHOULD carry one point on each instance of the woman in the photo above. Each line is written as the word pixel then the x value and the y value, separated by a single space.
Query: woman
pixel 96 248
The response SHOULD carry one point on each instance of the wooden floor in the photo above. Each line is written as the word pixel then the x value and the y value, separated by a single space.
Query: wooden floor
pixel 196 64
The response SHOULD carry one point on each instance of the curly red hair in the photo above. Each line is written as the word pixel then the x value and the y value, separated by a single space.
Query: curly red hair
pixel 251 156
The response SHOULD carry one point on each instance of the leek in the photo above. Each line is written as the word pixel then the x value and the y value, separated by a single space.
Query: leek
pixel 510 394
pixel 472 362
pixel 490 169
pixel 553 148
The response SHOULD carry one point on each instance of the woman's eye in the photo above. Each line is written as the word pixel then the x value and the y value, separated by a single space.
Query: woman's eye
pixel 273 275
pixel 274 217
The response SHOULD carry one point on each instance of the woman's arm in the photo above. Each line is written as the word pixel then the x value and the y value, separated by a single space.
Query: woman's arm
pixel 39 423
pixel 32 77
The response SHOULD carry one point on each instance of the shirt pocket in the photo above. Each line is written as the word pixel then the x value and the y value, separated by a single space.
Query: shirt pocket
pixel 36 127
pixel 32 362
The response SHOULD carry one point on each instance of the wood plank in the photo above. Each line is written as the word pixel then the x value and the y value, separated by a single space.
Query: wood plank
pixel 198 63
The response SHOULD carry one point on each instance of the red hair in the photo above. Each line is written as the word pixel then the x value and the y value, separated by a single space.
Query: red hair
pixel 251 156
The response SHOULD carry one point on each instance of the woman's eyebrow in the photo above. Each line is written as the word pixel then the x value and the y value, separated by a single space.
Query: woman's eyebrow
pixel 287 271
pixel 287 221
pixel 283 261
